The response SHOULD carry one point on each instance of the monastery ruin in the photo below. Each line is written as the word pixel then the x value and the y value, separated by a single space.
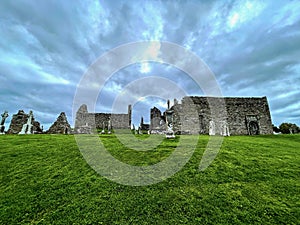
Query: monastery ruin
pixel 194 115
pixel 202 115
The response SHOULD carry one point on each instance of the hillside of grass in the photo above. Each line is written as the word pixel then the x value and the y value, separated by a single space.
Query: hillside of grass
pixel 253 180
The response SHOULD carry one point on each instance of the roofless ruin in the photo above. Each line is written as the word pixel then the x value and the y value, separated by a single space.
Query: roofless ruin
pixel 194 115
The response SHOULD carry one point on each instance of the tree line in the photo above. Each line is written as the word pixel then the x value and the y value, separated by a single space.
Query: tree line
pixel 287 128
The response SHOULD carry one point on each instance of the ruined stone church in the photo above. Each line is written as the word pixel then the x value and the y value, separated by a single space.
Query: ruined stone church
pixel 215 116
pixel 86 122
pixel 193 115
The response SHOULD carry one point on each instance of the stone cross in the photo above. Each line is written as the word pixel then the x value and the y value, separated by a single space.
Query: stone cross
pixel 4 116
pixel 26 129
pixel 2 127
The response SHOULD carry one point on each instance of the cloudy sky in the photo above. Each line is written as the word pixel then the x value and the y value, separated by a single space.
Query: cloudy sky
pixel 252 48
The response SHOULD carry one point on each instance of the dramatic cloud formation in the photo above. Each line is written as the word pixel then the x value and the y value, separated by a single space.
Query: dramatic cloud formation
pixel 253 48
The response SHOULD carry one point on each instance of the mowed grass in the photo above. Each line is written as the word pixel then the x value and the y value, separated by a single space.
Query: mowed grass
pixel 253 180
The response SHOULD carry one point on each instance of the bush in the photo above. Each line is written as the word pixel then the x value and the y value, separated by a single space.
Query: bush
pixel 289 128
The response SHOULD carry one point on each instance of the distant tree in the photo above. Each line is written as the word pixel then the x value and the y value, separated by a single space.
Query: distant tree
pixel 288 128
pixel 275 129
pixel 295 129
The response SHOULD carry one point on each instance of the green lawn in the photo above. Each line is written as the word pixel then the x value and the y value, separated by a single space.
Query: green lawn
pixel 253 180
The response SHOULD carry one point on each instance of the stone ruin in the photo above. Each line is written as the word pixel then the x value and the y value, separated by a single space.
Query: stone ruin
pixel 243 116
pixel 24 124
pixel 87 122
pixel 144 127
pixel 157 121
pixel 60 126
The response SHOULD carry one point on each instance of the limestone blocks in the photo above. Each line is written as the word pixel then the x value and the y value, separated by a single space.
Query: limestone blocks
pixel 60 126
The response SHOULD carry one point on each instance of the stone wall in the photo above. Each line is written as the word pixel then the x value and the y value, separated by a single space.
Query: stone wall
pixel 60 126
pixel 157 120
pixel 97 120
pixel 242 115
pixel 242 111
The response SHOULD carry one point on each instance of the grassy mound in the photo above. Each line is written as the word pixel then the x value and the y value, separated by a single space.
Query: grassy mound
pixel 253 180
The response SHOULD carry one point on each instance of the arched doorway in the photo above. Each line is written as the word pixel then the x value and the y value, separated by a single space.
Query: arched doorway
pixel 253 128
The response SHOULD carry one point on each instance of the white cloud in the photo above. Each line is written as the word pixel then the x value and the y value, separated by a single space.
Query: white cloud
pixel 145 67
pixel 244 12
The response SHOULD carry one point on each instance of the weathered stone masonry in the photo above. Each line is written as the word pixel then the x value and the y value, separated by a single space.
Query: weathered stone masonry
pixel 194 115
pixel 85 120
pixel 19 119
pixel 243 116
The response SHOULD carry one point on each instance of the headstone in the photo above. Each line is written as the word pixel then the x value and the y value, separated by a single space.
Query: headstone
pixel 27 127
pixel 224 129
pixel 103 127
pixel 212 128
pixel 60 126
pixel 169 123
pixel 2 127
pixel 109 127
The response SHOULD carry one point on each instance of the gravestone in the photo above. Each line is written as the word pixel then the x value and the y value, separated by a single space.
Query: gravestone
pixel 109 126
pixel 212 128
pixel 169 124
pixel 60 126
pixel 103 128
pixel 2 127
pixel 224 129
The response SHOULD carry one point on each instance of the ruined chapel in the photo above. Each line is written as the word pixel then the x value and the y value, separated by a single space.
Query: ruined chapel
pixel 215 116
pixel 193 115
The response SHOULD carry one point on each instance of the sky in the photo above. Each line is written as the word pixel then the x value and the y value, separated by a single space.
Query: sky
pixel 46 47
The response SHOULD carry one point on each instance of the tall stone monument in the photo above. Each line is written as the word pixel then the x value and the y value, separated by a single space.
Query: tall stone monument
pixel 109 126
pixel 169 124
pixel 27 127
pixel 103 128
pixel 2 127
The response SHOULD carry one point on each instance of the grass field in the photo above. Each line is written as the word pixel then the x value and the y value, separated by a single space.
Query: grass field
pixel 253 180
